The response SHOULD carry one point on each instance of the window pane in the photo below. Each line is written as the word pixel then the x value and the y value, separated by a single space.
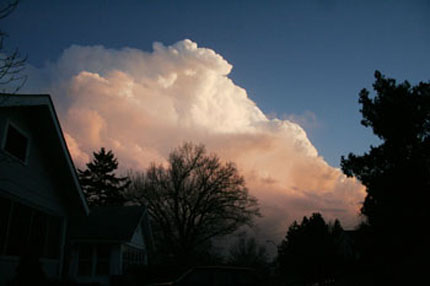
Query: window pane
pixel 19 230
pixel 85 251
pixel 5 206
pixel 132 257
pixel 53 238
pixel 85 268
pixel 103 260
pixel 103 252
pixel 102 268
pixel 38 232
pixel 85 260
pixel 16 143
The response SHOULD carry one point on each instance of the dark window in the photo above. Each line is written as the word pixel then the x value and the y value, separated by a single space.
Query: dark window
pixel 5 206
pixel 132 257
pixel 24 230
pixel 16 143
pixel 38 232
pixel 223 278
pixel 53 238
pixel 103 260
pixel 85 263
pixel 19 230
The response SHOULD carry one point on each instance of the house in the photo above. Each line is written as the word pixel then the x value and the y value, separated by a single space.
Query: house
pixel 39 188
pixel 108 243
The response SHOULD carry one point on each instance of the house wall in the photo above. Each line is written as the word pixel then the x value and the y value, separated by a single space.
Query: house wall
pixel 136 248
pixel 137 239
pixel 31 183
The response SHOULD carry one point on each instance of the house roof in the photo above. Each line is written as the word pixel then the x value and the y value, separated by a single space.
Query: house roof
pixel 42 111
pixel 108 223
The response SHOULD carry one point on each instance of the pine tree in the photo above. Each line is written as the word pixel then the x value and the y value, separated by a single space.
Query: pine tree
pixel 396 174
pixel 310 252
pixel 99 182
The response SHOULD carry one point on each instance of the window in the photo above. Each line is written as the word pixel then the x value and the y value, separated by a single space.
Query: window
pixel 38 232
pixel 85 262
pixel 5 207
pixel 103 260
pixel 23 228
pixel 16 143
pixel 132 257
pixel 53 237
pixel 19 230
pixel 94 260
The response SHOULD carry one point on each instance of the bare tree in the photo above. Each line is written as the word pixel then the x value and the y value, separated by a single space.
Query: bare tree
pixel 11 62
pixel 196 198
pixel 247 252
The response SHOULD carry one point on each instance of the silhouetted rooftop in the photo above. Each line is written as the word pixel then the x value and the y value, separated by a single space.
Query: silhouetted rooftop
pixel 107 223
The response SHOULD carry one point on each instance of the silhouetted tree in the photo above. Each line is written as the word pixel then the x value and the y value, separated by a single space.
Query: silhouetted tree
pixel 396 173
pixel 99 182
pixel 11 62
pixel 194 199
pixel 310 251
pixel 246 252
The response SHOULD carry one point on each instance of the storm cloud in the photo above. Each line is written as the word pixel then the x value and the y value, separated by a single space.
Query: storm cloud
pixel 144 104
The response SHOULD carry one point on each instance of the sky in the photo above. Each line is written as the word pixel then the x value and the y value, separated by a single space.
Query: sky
pixel 271 85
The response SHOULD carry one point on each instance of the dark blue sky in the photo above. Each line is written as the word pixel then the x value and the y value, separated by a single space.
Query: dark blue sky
pixel 293 57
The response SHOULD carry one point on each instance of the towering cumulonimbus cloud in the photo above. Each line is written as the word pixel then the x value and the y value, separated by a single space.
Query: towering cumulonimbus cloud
pixel 143 104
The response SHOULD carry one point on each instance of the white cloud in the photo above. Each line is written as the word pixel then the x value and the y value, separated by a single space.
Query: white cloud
pixel 142 105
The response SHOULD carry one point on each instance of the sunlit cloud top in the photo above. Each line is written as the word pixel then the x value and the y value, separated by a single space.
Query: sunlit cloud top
pixel 143 104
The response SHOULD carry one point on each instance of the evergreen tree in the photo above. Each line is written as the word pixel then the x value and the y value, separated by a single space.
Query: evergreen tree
pixel 310 251
pixel 396 175
pixel 99 182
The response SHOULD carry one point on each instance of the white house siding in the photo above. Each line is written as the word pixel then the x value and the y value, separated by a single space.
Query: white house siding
pixel 137 239
pixel 31 183
pixel 134 252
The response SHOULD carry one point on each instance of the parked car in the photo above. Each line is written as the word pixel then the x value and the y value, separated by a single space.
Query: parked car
pixel 216 276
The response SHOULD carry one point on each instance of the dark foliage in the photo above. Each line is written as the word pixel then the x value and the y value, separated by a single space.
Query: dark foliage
pixel 313 251
pixel 396 175
pixel 99 182
pixel 193 200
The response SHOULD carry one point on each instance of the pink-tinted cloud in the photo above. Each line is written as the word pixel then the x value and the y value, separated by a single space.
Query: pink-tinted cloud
pixel 142 105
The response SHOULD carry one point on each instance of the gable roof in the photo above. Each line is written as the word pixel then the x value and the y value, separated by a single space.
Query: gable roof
pixel 108 223
pixel 42 106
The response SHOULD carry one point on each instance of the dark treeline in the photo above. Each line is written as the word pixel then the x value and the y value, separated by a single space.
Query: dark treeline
pixel 314 251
